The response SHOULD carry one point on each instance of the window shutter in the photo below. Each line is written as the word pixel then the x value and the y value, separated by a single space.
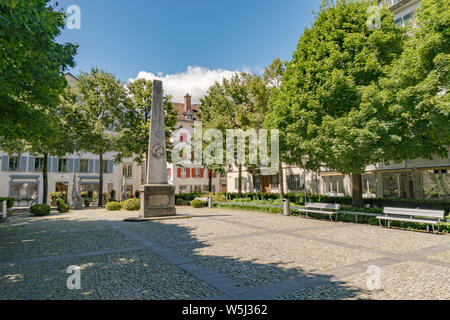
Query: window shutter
pixel 23 164
pixel 5 162
pixel 70 165
pixel 97 166
pixel 31 164
pixel 202 172
pixel 54 164
pixel 179 173
pixel 91 165
pixel 215 175
pixel 170 173
pixel 110 166
pixel 76 167
pixel 193 173
pixel 188 172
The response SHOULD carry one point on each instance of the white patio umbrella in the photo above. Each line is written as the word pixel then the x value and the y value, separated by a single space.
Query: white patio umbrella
pixel 74 189
pixel 124 188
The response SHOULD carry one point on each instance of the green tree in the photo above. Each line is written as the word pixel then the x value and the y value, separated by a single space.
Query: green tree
pixel 32 64
pixel 98 101
pixel 57 140
pixel 415 93
pixel 320 108
pixel 238 103
pixel 273 76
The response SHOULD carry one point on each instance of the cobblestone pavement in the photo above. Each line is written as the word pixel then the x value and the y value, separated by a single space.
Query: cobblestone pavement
pixel 217 254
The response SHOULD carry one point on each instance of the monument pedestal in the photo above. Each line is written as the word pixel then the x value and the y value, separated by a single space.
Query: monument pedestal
pixel 157 200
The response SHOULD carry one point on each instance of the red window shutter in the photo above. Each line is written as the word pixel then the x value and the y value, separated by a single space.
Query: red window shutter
pixel 179 172
pixel 215 175
pixel 202 172
pixel 170 172
pixel 188 172
pixel 193 173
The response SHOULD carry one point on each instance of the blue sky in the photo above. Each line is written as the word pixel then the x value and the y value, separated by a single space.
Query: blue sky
pixel 188 44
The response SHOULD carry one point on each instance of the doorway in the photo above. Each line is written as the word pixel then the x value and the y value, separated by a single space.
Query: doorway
pixel 62 187
pixel 265 186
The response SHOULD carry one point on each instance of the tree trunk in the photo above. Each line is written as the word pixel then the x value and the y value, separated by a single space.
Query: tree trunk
pixel 45 180
pixel 357 200
pixel 281 179
pixel 100 184
pixel 210 175
pixel 240 181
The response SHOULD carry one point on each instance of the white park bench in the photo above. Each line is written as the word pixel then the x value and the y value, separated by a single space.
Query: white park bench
pixel 323 208
pixel 430 217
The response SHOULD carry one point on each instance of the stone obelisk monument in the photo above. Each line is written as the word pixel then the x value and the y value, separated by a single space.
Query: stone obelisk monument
pixel 158 196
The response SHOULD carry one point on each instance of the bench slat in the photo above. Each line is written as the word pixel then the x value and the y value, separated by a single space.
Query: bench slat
pixel 409 220
pixel 318 211
pixel 331 206
pixel 414 212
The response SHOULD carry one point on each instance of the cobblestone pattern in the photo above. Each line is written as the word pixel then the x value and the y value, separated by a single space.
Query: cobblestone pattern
pixel 263 255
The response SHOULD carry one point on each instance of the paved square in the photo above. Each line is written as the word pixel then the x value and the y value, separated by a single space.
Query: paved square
pixel 216 254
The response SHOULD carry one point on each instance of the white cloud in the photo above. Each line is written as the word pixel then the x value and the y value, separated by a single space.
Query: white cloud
pixel 195 81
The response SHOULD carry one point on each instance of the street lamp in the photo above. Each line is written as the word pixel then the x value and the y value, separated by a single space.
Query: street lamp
pixel 305 159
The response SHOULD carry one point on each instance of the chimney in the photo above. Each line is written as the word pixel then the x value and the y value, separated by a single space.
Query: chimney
pixel 187 102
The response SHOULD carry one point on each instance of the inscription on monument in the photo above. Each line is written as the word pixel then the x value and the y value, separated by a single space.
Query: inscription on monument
pixel 159 200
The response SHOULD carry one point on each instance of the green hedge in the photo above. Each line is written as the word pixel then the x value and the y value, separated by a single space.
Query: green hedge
pixel 187 196
pixel 9 201
pixel 197 204
pixel 113 206
pixel 131 204
pixel 40 209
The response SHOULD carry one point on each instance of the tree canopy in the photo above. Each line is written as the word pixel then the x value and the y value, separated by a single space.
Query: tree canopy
pixel 32 65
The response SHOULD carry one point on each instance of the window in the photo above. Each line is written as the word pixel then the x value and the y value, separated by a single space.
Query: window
pixel 436 184
pixel 197 173
pixel 88 187
pixel 183 172
pixel 105 166
pixel 84 165
pixel 244 184
pixel 295 182
pixel 62 165
pixel 397 185
pixel 197 188
pixel 257 182
pixel 38 164
pixel 368 185
pixel 275 181
pixel 14 164
pixel 128 170
pixel 333 185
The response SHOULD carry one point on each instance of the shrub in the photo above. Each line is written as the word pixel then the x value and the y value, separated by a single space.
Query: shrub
pixel 113 206
pixel 62 206
pixel 217 197
pixel 131 204
pixel 196 204
pixel 9 202
pixel 111 200
pixel 40 209
pixel 181 202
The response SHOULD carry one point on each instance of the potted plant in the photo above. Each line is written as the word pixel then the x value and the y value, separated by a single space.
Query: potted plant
pixel 87 202
pixel 54 197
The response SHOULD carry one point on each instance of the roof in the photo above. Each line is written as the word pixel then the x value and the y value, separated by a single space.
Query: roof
pixel 182 114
